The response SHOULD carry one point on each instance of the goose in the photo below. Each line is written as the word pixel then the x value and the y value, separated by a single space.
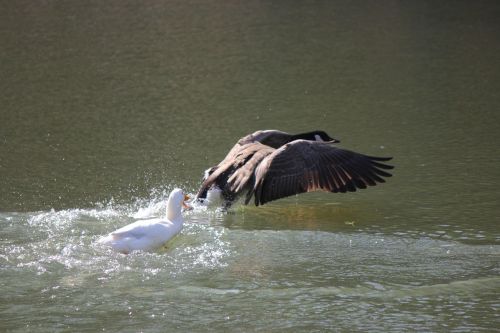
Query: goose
pixel 271 164
pixel 150 234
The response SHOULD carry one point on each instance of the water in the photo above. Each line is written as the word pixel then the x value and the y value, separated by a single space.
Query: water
pixel 106 107
pixel 54 277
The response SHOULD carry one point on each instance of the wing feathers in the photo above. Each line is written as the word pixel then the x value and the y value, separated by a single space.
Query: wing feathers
pixel 305 166
pixel 296 167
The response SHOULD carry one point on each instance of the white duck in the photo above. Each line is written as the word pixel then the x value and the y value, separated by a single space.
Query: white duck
pixel 149 234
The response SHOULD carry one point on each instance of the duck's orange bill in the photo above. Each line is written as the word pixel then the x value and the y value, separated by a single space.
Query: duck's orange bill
pixel 184 204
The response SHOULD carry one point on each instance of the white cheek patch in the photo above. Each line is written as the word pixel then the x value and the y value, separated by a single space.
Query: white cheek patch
pixel 318 138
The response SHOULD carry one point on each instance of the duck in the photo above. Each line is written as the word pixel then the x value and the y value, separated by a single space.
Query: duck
pixel 270 164
pixel 150 234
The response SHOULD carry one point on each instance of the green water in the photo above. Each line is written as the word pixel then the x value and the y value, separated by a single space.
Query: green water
pixel 107 106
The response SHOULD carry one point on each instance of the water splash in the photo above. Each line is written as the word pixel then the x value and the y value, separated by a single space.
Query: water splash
pixel 302 269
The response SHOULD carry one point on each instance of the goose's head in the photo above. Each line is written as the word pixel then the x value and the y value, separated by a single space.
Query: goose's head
pixel 176 200
pixel 320 136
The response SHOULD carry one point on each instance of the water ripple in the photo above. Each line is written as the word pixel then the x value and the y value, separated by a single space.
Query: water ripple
pixel 225 273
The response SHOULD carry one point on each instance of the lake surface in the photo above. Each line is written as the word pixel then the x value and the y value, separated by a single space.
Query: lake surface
pixel 105 107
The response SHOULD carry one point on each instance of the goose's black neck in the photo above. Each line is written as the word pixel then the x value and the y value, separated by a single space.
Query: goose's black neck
pixel 312 136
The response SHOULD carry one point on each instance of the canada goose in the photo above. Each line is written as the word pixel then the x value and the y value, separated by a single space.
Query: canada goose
pixel 272 164
pixel 152 233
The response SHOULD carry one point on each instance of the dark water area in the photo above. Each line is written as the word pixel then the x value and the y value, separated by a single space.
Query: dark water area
pixel 105 107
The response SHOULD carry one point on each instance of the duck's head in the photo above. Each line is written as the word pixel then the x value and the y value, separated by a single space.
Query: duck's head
pixel 176 200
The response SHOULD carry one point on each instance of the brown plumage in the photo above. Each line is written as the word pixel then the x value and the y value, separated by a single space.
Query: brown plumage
pixel 270 165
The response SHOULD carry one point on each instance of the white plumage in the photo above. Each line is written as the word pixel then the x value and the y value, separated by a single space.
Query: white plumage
pixel 150 234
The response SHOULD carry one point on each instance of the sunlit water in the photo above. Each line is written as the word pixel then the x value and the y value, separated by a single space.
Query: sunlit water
pixel 225 272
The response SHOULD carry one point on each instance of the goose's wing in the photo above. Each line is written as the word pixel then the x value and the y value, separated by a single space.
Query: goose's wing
pixel 212 174
pixel 240 155
pixel 305 166
pixel 243 172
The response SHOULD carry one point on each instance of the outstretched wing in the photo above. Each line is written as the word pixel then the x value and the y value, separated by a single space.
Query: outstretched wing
pixel 236 168
pixel 305 166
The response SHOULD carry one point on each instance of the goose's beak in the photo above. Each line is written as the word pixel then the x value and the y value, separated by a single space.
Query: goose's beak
pixel 184 204
pixel 334 141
